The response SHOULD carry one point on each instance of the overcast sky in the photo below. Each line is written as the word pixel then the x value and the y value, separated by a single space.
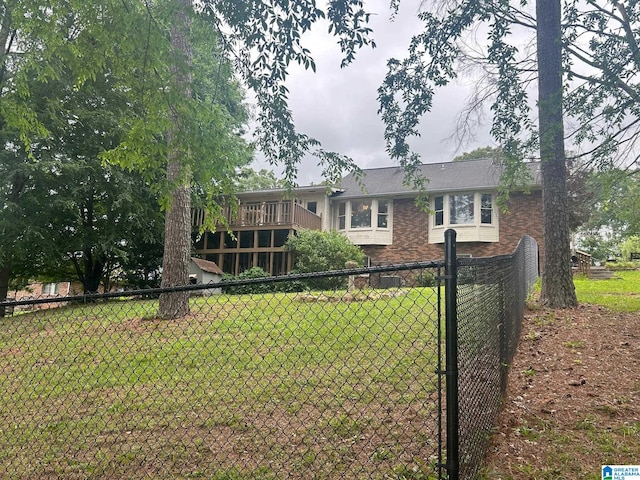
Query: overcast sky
pixel 339 107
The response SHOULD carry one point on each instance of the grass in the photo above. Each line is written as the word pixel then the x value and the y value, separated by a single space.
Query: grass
pixel 251 385
pixel 621 294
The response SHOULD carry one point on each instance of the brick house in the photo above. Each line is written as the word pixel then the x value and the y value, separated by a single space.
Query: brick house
pixel 382 217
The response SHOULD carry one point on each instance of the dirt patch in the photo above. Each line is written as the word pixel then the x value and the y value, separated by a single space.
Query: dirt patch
pixel 573 399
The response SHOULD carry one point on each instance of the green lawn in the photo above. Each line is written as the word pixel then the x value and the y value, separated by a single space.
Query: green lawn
pixel 258 386
pixel 621 294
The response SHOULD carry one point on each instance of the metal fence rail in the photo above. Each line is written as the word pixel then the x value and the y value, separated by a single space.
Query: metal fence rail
pixel 327 383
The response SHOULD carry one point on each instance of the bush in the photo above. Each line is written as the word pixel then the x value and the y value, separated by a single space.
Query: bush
pixel 426 279
pixel 623 265
pixel 629 246
pixel 255 272
pixel 267 287
pixel 316 251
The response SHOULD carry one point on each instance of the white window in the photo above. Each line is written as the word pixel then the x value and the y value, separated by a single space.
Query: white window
pixel 486 209
pixel 383 214
pixel 312 207
pixel 361 214
pixel 366 221
pixel 438 211
pixel 472 215
pixel 364 214
pixel 50 289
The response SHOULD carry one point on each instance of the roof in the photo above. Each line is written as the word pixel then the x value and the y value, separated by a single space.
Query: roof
pixel 442 177
pixel 207 266
pixel 280 192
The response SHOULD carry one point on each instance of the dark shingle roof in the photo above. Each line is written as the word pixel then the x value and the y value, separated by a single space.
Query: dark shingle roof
pixel 442 177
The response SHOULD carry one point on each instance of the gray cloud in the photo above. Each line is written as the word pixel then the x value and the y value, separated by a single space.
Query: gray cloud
pixel 339 107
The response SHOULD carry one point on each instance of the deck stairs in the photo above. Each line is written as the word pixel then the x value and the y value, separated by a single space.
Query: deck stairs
pixel 600 273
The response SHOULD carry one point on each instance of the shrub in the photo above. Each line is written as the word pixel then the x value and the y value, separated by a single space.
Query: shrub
pixel 316 251
pixel 267 287
pixel 254 272
pixel 629 246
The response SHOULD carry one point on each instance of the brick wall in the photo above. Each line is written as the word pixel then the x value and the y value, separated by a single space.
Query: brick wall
pixel 410 233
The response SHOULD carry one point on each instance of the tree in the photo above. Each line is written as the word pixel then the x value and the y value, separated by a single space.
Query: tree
pixel 177 231
pixel 481 152
pixel 630 245
pixel 508 68
pixel 263 179
pixel 557 278
pixel 63 41
pixel 614 211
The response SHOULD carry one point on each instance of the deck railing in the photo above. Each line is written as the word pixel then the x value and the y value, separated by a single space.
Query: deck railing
pixel 261 214
pixel 583 261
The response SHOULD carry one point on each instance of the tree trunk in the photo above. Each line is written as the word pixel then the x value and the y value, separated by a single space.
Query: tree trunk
pixel 177 231
pixel 558 290
pixel 93 270
pixel 5 274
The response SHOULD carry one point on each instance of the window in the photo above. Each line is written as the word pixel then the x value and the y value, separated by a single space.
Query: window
pixel 486 207
pixel 361 214
pixel 366 221
pixel 383 213
pixel 461 209
pixel 312 207
pixel 438 208
pixel 50 289
pixel 366 215
pixel 472 215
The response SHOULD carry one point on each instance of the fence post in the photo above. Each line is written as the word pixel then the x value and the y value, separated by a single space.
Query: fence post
pixel 451 342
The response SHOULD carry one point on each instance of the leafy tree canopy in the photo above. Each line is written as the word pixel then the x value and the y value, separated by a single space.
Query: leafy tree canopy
pixel 481 152
pixel 249 179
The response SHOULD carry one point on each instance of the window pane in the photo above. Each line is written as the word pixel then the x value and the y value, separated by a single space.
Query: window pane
pixel 312 207
pixel 342 216
pixel 361 214
pixel 486 209
pixel 461 209
pixel 438 207
pixel 383 213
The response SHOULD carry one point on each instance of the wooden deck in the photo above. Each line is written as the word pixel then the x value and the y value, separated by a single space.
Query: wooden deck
pixel 260 215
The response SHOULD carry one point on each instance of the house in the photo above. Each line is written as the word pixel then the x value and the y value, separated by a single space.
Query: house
pixel 381 216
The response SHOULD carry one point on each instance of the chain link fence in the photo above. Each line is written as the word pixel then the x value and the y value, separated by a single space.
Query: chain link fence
pixel 491 294
pixel 318 376
pixel 315 376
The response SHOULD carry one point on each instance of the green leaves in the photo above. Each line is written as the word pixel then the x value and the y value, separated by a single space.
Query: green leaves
pixel 266 37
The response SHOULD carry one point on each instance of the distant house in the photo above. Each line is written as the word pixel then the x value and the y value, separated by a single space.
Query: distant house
pixel 382 217
pixel 44 290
